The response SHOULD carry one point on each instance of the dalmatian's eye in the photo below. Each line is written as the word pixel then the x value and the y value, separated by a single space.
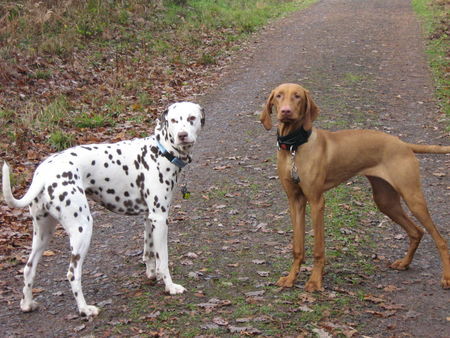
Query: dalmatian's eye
pixel 173 121
pixel 191 118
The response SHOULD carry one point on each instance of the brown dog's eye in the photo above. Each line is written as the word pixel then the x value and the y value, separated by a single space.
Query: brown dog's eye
pixel 297 96
pixel 278 96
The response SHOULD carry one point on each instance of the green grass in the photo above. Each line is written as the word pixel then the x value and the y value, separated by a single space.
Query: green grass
pixel 435 22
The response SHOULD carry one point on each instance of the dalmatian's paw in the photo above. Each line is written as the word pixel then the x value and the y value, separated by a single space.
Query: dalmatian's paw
pixel 89 311
pixel 28 306
pixel 175 289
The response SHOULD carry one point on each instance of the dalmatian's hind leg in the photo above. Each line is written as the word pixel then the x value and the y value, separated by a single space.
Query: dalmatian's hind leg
pixel 80 233
pixel 43 228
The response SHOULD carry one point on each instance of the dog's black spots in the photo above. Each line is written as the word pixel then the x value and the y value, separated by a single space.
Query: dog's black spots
pixel 75 176
pixel 126 193
pixel 89 191
pixel 136 164
pixel 118 162
pixel 50 191
pixel 125 168
pixel 172 183
pixel 58 176
pixel 167 169
pixel 110 191
pixel 67 174
pixel 80 209
pixel 54 184
pixel 121 210
pixel 128 203
pixel 88 218
pixel 156 198
pixel 80 190
pixel 67 203
pixel 75 294
pixel 154 150
pixel 107 179
pixel 132 184
pixel 30 264
pixel 74 260
pixel 153 158
pixel 63 196
pixel 72 279
pixel 75 214
pixel 157 255
pixel 163 209
pixel 58 208
pixel 73 154
pixel 106 165
pixel 87 148
pixel 144 153
pixel 88 175
pixel 119 151
pixel 100 188
pixel 70 162
pixel 161 178
pixel 92 181
pixel 158 137
pixel 110 206
pixel 110 157
pixel 140 180
pixel 166 182
pixel 117 198
pixel 65 183
pixel 93 162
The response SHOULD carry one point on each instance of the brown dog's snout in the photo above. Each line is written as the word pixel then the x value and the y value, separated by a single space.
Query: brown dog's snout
pixel 286 111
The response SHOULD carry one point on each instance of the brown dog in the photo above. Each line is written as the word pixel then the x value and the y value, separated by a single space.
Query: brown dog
pixel 312 161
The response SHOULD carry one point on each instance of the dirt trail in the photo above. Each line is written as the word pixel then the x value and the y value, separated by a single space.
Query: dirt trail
pixel 364 63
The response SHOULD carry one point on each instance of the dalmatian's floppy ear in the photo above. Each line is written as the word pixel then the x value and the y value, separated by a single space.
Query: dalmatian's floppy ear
pixel 202 118
pixel 162 118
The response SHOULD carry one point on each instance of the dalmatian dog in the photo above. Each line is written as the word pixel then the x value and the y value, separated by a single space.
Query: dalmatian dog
pixel 129 178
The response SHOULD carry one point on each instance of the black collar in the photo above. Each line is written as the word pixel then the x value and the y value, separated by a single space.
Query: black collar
pixel 293 140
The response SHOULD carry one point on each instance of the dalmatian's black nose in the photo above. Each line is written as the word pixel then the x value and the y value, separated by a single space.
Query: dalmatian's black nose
pixel 182 135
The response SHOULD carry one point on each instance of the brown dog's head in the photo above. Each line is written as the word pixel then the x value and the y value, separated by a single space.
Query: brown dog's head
pixel 293 105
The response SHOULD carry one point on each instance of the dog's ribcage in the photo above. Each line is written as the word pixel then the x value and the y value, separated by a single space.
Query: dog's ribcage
pixel 127 177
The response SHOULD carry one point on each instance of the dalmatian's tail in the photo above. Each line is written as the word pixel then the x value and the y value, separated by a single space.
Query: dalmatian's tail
pixel 33 191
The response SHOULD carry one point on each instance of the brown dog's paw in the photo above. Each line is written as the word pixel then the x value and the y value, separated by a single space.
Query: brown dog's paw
pixel 445 282
pixel 399 265
pixel 285 282
pixel 314 285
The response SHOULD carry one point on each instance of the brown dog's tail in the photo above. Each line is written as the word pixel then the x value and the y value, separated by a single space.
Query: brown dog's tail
pixel 429 149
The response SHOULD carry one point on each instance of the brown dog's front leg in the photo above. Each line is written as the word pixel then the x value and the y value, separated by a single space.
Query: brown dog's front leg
pixel 315 281
pixel 297 206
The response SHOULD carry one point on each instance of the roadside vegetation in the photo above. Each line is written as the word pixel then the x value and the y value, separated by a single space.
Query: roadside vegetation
pixel 436 23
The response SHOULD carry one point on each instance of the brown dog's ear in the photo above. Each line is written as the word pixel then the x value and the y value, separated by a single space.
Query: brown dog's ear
pixel 311 113
pixel 265 117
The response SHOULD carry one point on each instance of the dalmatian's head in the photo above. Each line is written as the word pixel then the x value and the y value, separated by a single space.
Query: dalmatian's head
pixel 181 123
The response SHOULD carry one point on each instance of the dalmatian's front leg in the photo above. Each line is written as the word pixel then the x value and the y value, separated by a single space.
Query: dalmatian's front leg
pixel 160 229
pixel 149 254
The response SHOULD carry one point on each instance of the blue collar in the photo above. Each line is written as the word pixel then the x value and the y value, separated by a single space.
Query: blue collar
pixel 175 160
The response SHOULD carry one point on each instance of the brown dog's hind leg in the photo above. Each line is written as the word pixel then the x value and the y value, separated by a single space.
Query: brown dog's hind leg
pixel 388 201
pixel 416 203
